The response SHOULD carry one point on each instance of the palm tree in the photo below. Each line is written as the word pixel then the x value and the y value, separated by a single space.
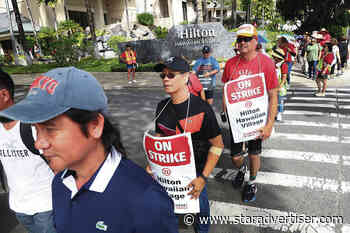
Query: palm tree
pixel 90 20
pixel 205 11
pixel 234 13
pixel 22 39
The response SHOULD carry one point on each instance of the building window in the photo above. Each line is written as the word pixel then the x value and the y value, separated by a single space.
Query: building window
pixel 218 13
pixel 105 18
pixel 164 9
pixel 79 17
pixel 184 10
pixel 225 13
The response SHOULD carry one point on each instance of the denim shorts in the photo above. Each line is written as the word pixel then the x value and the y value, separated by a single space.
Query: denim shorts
pixel 38 223
pixel 131 66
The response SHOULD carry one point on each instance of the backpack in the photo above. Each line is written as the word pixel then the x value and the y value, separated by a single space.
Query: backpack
pixel 28 139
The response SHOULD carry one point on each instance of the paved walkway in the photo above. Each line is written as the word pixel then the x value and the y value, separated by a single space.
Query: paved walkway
pixel 118 80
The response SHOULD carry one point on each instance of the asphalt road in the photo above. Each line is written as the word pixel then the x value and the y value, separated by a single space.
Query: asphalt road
pixel 304 167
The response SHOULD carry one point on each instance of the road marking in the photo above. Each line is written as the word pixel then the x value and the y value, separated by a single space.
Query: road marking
pixel 291 181
pixel 313 124
pixel 313 93
pixel 312 98
pixel 306 137
pixel 344 107
pixel 307 156
pixel 311 113
pixel 275 219
pixel 314 105
pixel 304 156
pixel 330 89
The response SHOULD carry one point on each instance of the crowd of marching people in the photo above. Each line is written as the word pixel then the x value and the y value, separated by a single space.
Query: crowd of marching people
pixel 82 180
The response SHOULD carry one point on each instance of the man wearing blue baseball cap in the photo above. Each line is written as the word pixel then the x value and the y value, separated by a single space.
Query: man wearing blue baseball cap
pixel 206 69
pixel 97 188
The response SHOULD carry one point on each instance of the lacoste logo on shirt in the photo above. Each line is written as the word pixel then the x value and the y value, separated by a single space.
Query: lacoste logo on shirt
pixel 101 226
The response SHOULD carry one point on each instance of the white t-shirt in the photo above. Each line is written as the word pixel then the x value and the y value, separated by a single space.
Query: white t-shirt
pixel 335 50
pixel 28 176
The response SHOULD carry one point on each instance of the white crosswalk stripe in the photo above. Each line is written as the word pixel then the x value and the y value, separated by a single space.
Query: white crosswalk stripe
pixel 274 219
pixel 304 120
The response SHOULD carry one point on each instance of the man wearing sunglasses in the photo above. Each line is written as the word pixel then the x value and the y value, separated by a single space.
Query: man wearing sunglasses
pixel 206 69
pixel 250 62
pixel 187 112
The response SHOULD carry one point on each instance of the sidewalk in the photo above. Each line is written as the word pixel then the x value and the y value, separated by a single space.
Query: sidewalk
pixel 118 80
pixel 298 79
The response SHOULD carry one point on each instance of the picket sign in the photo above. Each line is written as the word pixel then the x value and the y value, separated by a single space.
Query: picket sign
pixel 246 101
pixel 172 162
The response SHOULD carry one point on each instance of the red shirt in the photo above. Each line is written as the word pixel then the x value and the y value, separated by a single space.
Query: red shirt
pixel 327 60
pixel 237 66
pixel 194 85
pixel 289 52
pixel 326 39
pixel 284 68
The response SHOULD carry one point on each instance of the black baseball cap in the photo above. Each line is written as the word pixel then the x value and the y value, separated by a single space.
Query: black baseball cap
pixel 173 63
pixel 206 49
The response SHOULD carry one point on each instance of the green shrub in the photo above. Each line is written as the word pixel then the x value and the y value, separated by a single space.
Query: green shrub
pixel 113 42
pixel 146 19
pixel 2 60
pixel 184 22
pixel 161 32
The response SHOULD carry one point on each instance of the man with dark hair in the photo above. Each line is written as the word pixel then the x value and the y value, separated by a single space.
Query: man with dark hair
pixel 28 176
pixel 98 189
pixel 206 69
pixel 250 62
pixel 184 112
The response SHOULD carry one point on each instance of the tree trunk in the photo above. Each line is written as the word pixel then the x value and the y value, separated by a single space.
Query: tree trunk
pixel 21 37
pixel 33 25
pixel 90 20
pixel 65 10
pixel 222 11
pixel 234 13
pixel 195 8
pixel 205 11
pixel 199 11
pixel 13 39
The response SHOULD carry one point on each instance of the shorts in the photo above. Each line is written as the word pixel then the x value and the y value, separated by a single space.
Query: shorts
pixel 209 94
pixel 254 147
pixel 131 66
pixel 322 76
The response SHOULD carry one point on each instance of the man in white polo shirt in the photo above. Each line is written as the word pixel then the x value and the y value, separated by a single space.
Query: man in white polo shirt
pixel 28 176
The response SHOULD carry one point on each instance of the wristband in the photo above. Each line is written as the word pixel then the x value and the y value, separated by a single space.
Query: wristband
pixel 204 178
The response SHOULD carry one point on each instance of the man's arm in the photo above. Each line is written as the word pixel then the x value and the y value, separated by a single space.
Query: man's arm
pixel 202 94
pixel 265 132
pixel 213 157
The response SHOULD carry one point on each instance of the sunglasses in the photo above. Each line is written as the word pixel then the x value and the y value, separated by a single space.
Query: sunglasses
pixel 169 75
pixel 245 39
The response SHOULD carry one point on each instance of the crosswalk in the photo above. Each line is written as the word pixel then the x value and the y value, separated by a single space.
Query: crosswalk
pixel 303 172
